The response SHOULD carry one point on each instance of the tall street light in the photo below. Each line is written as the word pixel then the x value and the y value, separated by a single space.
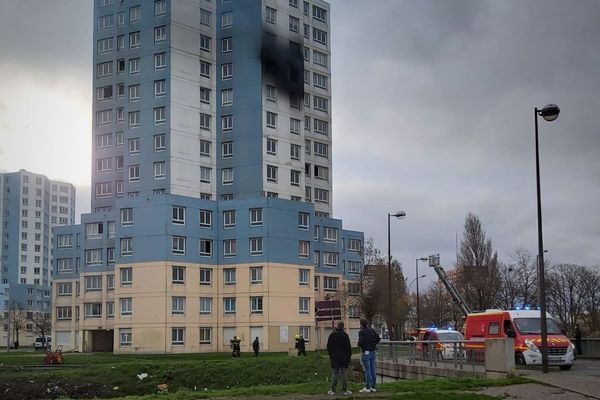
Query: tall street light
pixel 415 280
pixel 549 113
pixel 399 215
pixel 417 274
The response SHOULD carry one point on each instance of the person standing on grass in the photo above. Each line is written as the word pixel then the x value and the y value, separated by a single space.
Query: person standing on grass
pixel 367 341
pixel 300 345
pixel 340 352
pixel 256 346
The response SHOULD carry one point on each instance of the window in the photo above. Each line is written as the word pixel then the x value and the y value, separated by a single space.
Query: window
pixel 205 43
pixel 178 275
pixel 330 259
pixel 205 305
pixel 205 335
pixel 93 283
pixel 271 119
pixel 126 306
pixel 229 276
pixel 160 61
pixel 227 176
pixel 294 3
pixel 160 169
pixel 307 77
pixel 354 244
pixel 303 277
pixel 319 36
pixel 204 121
pixel 294 152
pixel 134 66
pixel 307 123
pixel 256 217
pixel 256 246
pixel 134 119
pixel 330 234
pixel 321 127
pixel 205 247
pixel 227 149
pixel 205 276
pixel 304 332
pixel 160 7
pixel 205 69
pixel 134 173
pixel 64 241
pixel 105 22
pixel 330 284
pixel 104 93
pixel 304 305
pixel 256 305
pixel 160 34
pixel 320 103
pixel 64 265
pixel 126 216
pixel 229 219
pixel 303 248
pixel 319 13
pixel 294 24
pixel 227 122
pixel 160 142
pixel 135 14
pixel 320 58
pixel 93 257
pixel 126 246
pixel 134 92
pixel 120 141
pixel 177 305
pixel 134 40
pixel 226 70
pixel 103 141
pixel 93 310
pixel 177 336
pixel 271 173
pixel 110 255
pixel 295 178
pixel 64 313
pixel 126 276
pixel 104 45
pixel 226 45
pixel 271 93
pixel 103 117
pixel 104 69
pixel 295 126
pixel 270 15
pixel 178 215
pixel 205 218
pixel 229 305
pixel 64 289
pixel 271 146
pixel 322 150
pixel 306 54
pixel 229 247
pixel 178 245
pixel 256 275
pixel 306 31
pixel 205 174
pixel 306 8
pixel 205 95
pixel 320 81
pixel 354 267
pixel 205 17
pixel 303 221
pixel 227 97
pixel 226 19
pixel 321 195
pixel 121 43
pixel 159 88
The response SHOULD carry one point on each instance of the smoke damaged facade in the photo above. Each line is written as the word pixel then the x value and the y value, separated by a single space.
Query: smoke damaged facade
pixel 211 177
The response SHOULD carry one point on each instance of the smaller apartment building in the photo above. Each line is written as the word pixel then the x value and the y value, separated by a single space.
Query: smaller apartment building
pixel 171 274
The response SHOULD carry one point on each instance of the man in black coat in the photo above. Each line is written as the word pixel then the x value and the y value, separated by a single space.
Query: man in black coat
pixel 256 346
pixel 578 340
pixel 340 352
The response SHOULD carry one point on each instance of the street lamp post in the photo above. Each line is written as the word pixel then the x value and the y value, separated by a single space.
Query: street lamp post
pixel 417 274
pixel 549 113
pixel 399 215
pixel 415 280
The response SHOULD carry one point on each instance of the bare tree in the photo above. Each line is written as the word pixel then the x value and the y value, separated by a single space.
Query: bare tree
pixel 566 294
pixel 42 324
pixel 590 285
pixel 478 271
pixel 18 319
pixel 519 280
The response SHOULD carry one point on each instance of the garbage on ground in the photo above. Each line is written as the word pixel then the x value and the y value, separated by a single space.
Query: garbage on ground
pixel 142 376
pixel 163 387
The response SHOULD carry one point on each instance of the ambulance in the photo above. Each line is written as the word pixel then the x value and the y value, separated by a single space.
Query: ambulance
pixel 524 327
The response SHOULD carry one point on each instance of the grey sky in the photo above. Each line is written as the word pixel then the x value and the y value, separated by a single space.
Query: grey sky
pixel 432 108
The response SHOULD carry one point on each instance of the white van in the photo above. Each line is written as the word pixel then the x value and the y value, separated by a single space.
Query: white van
pixel 42 343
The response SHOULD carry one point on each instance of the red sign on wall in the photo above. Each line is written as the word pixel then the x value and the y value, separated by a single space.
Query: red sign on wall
pixel 328 310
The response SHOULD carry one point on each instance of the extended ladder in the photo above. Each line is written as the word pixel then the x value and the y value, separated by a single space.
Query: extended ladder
pixel 456 296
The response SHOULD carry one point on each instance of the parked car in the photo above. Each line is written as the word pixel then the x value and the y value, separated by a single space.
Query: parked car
pixel 445 349
pixel 42 343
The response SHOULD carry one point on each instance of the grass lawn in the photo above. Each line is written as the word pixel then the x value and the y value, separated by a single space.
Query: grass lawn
pixel 197 376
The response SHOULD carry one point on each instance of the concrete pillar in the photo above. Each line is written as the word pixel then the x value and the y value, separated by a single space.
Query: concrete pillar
pixel 499 357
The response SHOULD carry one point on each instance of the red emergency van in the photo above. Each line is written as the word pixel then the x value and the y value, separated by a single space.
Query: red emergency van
pixel 524 327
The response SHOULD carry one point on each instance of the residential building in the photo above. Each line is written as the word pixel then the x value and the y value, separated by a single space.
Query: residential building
pixel 31 206
pixel 211 180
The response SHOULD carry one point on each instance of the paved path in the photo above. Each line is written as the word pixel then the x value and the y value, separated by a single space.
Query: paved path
pixel 532 391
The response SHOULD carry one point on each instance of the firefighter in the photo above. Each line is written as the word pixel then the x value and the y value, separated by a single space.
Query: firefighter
pixel 300 345
pixel 235 347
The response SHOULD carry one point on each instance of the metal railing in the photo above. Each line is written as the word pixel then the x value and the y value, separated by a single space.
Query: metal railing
pixel 451 354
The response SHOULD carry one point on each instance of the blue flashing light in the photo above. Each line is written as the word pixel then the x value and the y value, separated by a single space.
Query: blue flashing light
pixel 517 308
pixel 450 328
pixel 528 308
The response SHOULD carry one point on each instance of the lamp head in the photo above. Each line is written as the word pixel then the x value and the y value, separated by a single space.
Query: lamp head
pixel 550 112
pixel 399 214
pixel 423 259
pixel 423 276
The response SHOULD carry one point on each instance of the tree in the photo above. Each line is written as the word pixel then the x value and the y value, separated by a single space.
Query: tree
pixel 42 324
pixel 566 294
pixel 590 285
pixel 17 318
pixel 518 280
pixel 438 308
pixel 478 272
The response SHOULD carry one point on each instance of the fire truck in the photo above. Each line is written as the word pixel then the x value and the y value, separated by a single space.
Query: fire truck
pixel 523 325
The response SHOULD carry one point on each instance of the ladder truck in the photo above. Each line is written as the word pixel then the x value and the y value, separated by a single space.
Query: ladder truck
pixel 434 262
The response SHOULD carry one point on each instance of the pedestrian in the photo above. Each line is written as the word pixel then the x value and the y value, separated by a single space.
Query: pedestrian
pixel 235 347
pixel 578 340
pixel 367 341
pixel 300 345
pixel 340 352
pixel 256 346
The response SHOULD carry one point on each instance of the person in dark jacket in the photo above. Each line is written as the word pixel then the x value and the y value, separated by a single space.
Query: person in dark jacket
pixel 340 352
pixel 300 345
pixel 578 340
pixel 367 341
pixel 256 346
